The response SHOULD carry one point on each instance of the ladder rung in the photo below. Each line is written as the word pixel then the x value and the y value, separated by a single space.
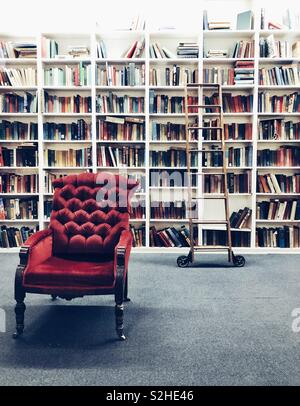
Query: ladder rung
pixel 203 85
pixel 211 247
pixel 219 222
pixel 205 128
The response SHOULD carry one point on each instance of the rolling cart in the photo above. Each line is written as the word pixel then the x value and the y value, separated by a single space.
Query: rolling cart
pixel 185 260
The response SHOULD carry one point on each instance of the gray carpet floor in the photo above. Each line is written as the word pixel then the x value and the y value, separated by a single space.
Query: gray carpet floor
pixel 211 325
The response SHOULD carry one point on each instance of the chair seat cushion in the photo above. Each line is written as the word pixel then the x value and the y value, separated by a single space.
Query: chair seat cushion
pixel 56 271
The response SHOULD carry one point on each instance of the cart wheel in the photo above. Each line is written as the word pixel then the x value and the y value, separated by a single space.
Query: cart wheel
pixel 183 261
pixel 239 261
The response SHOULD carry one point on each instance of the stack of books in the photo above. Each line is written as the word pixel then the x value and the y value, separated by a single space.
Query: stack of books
pixel 219 25
pixel 188 50
pixel 170 237
pixel 78 51
pixel 25 50
pixel 11 237
pixel 244 73
pixel 217 53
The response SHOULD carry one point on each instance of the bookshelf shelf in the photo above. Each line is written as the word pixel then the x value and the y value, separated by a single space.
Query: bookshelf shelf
pixel 277 221
pixel 117 42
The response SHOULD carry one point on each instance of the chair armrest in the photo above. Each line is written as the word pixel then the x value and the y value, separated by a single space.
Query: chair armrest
pixel 37 248
pixel 122 253
pixel 123 248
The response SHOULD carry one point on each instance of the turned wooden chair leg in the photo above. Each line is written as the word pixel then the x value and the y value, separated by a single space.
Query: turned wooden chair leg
pixel 126 298
pixel 119 312
pixel 19 311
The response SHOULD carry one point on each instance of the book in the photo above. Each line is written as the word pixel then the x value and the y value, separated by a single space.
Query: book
pixel 244 20
pixel 18 77
pixel 116 75
pixel 288 103
pixel 175 76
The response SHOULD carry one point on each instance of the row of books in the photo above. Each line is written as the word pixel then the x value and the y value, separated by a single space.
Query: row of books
pixel 283 156
pixel 50 49
pixel 236 183
pixel 271 48
pixel 67 104
pixel 18 209
pixel 180 237
pixel 167 131
pixel 22 155
pixel 114 75
pixel 18 77
pixel 16 103
pixel 168 210
pixel 244 21
pixel 231 104
pixel 243 49
pixel 289 103
pixel 11 237
pixel 242 73
pixel 9 49
pixel 138 212
pixel 278 237
pixel 124 156
pixel 13 183
pixel 165 104
pixel 278 129
pixel 170 237
pixel 49 177
pixel 175 76
pixel 241 218
pixel 138 236
pixel 239 157
pixel 173 157
pixel 68 158
pixel 168 178
pixel 276 209
pixel 74 75
pixel 113 103
pixel 289 19
pixel 16 130
pixel 278 183
pixel 79 130
pixel 121 129
pixel 280 75
pixel 219 237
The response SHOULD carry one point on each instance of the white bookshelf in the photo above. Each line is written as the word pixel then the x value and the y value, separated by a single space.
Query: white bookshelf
pixel 117 42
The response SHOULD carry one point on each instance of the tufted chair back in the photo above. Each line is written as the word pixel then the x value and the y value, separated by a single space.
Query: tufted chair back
pixel 89 213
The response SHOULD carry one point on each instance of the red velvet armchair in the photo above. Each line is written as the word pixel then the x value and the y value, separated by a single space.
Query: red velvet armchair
pixel 85 250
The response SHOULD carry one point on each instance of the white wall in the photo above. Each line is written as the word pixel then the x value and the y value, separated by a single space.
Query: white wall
pixel 82 15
